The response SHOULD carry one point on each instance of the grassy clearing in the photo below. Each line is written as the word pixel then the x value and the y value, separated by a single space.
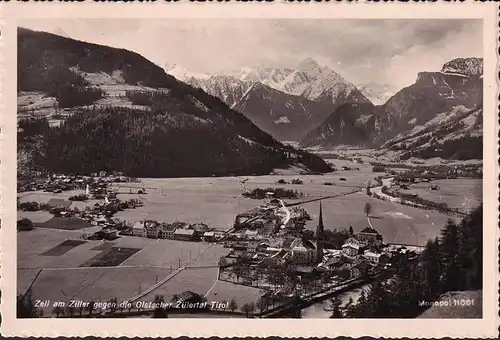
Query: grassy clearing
pixel 397 223
pixel 167 253
pixel 211 256
pixel 216 201
pixel 123 283
pixel 198 280
pixel 228 291
pixel 90 284
pixel 33 243
pixel 43 197
pixel 462 193
pixel 35 216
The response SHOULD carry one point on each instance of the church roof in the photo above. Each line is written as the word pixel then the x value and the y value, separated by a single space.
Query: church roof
pixel 369 230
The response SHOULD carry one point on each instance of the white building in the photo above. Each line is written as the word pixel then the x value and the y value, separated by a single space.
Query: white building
pixel 139 229
pixel 303 255
pixel 351 247
pixel 372 257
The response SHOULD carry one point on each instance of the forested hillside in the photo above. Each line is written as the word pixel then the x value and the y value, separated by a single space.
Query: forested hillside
pixel 139 120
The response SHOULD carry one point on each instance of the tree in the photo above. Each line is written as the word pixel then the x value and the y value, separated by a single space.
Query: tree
pixel 368 209
pixel 262 304
pixel 335 307
pixel 246 308
pixel 159 311
pixel 57 310
pixel 113 304
pixel 432 267
pixel 351 231
pixel 252 307
pixel 232 305
pixel 90 308
pixel 70 311
pixel 453 279
pixel 26 306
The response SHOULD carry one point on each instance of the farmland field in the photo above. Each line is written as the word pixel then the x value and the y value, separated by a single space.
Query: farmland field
pixel 210 257
pixel 35 216
pixel 198 280
pixel 216 201
pixel 167 253
pixel 44 197
pixel 110 257
pixel 63 248
pixel 90 284
pixel 463 193
pixel 71 223
pixel 226 291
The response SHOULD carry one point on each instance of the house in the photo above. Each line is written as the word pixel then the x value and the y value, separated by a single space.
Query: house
pixel 166 231
pixel 372 257
pixel 139 229
pixel 184 234
pixel 199 229
pixel 208 236
pixel 351 247
pixel 369 236
pixel 152 230
pixel 303 255
pixel 107 234
pixel 251 233
pixel 279 257
pixel 359 269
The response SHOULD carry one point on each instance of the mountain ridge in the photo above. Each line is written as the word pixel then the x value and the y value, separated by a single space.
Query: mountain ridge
pixel 434 94
pixel 309 90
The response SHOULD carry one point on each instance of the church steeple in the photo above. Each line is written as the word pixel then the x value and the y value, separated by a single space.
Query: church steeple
pixel 320 229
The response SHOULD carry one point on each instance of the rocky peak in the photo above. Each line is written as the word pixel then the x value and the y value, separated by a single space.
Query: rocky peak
pixel 466 66
pixel 311 68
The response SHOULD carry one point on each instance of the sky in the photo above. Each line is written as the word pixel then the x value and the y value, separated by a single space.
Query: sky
pixel 384 51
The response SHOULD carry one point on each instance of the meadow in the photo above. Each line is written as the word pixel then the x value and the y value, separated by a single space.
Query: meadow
pixel 464 193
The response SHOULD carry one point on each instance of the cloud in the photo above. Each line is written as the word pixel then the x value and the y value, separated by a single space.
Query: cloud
pixel 362 50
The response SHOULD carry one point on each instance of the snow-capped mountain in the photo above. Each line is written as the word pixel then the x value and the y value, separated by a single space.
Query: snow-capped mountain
pixel 182 74
pixel 285 102
pixel 378 94
pixel 437 115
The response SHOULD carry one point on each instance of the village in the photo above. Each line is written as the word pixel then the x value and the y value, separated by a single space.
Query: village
pixel 272 248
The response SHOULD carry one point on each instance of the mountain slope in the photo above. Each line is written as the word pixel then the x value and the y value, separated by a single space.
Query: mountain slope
pixel 126 114
pixel 440 106
pixel 284 102
pixel 283 115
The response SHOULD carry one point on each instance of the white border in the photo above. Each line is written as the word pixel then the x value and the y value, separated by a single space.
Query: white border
pixel 414 328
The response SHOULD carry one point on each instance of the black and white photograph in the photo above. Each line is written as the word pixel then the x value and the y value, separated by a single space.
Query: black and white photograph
pixel 251 168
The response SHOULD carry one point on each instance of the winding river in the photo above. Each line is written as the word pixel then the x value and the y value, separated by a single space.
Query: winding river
pixel 317 311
